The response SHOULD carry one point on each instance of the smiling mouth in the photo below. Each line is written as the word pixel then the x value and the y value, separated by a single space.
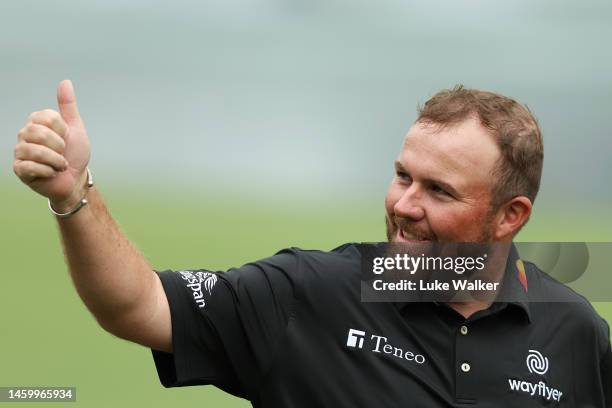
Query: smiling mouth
pixel 409 237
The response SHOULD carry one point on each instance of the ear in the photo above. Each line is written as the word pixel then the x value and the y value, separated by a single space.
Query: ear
pixel 511 217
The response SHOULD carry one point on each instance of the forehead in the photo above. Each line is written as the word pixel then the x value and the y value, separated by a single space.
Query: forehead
pixel 463 155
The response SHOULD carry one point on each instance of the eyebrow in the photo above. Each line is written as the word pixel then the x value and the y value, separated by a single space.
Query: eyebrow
pixel 450 189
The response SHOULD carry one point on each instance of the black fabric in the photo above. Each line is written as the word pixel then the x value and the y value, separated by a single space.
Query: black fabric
pixel 291 331
pixel 606 375
pixel 227 338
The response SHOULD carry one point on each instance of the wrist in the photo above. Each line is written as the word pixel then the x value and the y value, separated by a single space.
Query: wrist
pixel 70 205
pixel 66 205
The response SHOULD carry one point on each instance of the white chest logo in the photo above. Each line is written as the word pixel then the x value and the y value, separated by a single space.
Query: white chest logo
pixel 536 362
pixel 380 344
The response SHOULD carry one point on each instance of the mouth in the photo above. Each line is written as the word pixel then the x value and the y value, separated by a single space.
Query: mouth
pixel 403 236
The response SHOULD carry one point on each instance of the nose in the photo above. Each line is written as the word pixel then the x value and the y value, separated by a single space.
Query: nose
pixel 410 204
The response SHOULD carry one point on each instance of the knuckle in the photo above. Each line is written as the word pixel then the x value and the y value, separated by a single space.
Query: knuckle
pixel 49 114
pixel 24 152
pixel 20 168
pixel 54 118
pixel 32 116
pixel 22 133
pixel 44 117
pixel 26 167
pixel 17 151
pixel 44 120
pixel 36 154
pixel 31 127
pixel 16 167
pixel 40 136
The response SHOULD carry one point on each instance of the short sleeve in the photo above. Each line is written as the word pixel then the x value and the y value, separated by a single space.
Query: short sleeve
pixel 226 326
pixel 606 375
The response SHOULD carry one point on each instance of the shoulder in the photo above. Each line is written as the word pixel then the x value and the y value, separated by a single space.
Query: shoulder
pixel 557 302
pixel 339 263
pixel 343 253
pixel 299 265
pixel 329 274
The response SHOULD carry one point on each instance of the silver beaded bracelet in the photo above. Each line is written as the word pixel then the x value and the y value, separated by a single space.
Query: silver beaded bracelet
pixel 81 203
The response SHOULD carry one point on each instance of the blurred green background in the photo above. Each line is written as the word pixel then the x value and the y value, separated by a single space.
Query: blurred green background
pixel 224 131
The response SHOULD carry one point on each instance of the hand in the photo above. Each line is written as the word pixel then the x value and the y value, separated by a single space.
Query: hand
pixel 53 151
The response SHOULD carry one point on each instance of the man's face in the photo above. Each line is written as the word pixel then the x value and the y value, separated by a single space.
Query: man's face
pixel 442 185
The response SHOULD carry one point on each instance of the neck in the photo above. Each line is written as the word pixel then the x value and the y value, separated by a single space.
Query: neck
pixel 496 267
pixel 466 309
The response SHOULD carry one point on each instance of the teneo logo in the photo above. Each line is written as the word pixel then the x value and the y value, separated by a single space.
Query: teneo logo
pixel 355 338
pixel 536 362
pixel 380 344
pixel 195 281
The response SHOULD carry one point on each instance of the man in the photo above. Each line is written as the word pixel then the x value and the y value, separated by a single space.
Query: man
pixel 291 330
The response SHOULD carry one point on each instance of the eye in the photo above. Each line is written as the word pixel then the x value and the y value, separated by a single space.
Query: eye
pixel 403 176
pixel 439 190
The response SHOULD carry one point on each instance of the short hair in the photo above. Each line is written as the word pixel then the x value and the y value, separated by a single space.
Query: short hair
pixel 512 125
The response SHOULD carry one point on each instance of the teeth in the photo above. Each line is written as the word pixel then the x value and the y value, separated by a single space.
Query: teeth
pixel 412 237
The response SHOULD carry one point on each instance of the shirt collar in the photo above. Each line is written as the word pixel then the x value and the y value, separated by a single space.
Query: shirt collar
pixel 513 290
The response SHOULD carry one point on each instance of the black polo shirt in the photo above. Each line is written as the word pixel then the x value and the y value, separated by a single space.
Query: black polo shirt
pixel 291 331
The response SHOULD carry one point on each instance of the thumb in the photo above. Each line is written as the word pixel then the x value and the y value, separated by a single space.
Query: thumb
pixel 66 100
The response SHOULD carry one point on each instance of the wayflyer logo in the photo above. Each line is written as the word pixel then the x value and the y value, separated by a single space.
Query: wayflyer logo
pixel 536 364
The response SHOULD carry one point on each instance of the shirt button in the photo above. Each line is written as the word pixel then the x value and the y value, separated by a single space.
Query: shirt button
pixel 463 330
pixel 465 367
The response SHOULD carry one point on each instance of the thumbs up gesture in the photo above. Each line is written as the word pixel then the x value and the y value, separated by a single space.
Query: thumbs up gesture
pixel 53 151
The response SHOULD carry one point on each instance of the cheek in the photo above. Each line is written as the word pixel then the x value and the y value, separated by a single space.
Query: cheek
pixel 454 221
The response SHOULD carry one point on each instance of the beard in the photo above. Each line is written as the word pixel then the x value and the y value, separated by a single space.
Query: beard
pixel 484 234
